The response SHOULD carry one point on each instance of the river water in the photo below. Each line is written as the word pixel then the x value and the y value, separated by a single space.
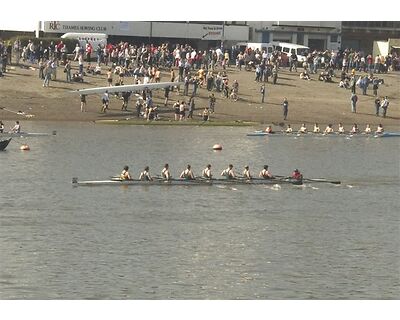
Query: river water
pixel 318 241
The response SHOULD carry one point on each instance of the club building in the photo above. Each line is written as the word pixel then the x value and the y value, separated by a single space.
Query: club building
pixel 318 35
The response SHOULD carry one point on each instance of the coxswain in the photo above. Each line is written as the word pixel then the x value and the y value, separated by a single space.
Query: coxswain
pixel 1 127
pixel 303 128
pixel 354 129
pixel 367 129
pixel 16 128
pixel 246 173
pixel 328 129
pixel 165 172
pixel 264 173
pixel 340 129
pixel 145 174
pixel 379 129
pixel 187 173
pixel 297 175
pixel 229 173
pixel 269 129
pixel 316 128
pixel 125 175
pixel 206 173
pixel 289 129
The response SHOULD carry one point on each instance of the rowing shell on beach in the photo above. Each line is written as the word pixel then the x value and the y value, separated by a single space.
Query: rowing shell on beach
pixel 260 133
pixel 27 134
pixel 197 182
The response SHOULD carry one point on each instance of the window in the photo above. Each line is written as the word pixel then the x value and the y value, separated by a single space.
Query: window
pixel 286 50
pixel 334 38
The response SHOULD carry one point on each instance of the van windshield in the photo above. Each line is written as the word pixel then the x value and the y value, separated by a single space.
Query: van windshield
pixel 302 51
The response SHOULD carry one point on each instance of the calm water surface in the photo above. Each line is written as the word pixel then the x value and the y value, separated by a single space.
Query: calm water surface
pixel 318 241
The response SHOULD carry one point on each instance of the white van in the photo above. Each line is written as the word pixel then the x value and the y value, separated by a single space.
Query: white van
pixel 93 38
pixel 289 48
pixel 267 47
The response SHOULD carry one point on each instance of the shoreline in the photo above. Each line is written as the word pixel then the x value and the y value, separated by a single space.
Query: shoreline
pixel 309 101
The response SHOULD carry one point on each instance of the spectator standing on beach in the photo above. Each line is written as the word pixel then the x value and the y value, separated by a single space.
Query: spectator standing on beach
pixel 191 108
pixel 375 85
pixel 353 100
pixel 285 108
pixel 89 50
pixel 377 106
pixel 80 63
pixel 211 102
pixel 47 74
pixel 67 70
pixel 274 74
pixel 262 91
pixel 105 101
pixel 384 106
pixel 83 102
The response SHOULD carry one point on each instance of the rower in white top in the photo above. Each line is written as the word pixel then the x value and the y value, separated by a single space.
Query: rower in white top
pixel 246 173
pixel 380 129
pixel 354 129
pixel 289 129
pixel 165 172
pixel 187 173
pixel 340 129
pixel 145 174
pixel 206 173
pixel 16 128
pixel 303 128
pixel 367 129
pixel 125 175
pixel 328 129
pixel 264 173
pixel 229 173
pixel 316 128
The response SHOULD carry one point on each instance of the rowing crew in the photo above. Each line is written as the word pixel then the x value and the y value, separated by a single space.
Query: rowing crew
pixel 187 174
pixel 15 129
pixel 329 129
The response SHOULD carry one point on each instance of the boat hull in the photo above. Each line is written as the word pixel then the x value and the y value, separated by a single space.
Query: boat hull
pixel 331 135
pixel 4 144
pixel 182 182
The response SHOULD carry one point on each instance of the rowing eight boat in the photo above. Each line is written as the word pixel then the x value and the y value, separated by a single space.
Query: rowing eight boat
pixel 184 182
pixel 260 133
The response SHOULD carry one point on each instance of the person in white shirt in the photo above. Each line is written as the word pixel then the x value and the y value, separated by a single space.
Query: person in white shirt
pixel 16 128
pixel 340 128
pixel 316 128
pixel 165 172
pixel 328 129
pixel 206 173
pixel 354 129
pixel 229 173
pixel 264 173
pixel 246 173
pixel 187 173
pixel 379 129
pixel 145 174
pixel 367 129
pixel 289 129
pixel 106 101
pixel 303 128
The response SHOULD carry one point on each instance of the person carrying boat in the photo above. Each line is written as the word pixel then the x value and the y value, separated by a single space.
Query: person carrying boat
pixel 229 173
pixel 354 129
pixel 341 129
pixel 296 174
pixel 264 173
pixel 316 128
pixel 380 129
pixel 246 173
pixel 206 173
pixel 187 174
pixel 289 129
pixel 328 129
pixel 303 128
pixel 165 172
pixel 16 128
pixel 125 175
pixel 145 175
pixel 367 129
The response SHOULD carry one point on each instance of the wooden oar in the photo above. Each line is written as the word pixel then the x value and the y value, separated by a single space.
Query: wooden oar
pixel 322 180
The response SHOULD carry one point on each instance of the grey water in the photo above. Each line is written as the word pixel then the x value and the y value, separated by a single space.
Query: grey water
pixel 318 241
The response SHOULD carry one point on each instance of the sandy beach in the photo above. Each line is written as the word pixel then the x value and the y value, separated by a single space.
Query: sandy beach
pixel 24 98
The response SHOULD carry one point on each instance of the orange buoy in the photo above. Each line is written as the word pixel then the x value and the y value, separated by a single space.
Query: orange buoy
pixel 25 147
pixel 217 147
